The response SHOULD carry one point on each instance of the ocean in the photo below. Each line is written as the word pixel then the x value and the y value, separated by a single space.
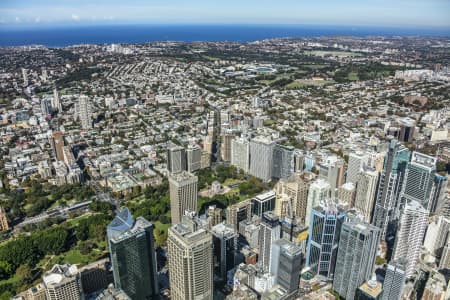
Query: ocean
pixel 107 34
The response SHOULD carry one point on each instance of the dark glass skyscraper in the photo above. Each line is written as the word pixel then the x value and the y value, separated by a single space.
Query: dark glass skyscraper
pixel 133 256
pixel 324 230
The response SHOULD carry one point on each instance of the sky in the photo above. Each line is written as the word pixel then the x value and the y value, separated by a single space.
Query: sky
pixel 382 13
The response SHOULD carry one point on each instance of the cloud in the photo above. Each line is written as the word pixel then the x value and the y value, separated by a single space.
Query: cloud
pixel 17 19
pixel 75 17
pixel 37 19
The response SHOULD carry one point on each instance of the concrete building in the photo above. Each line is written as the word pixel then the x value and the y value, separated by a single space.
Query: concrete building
pixel 356 161
pixel 56 102
pixel 193 158
pixel 176 159
pixel 269 232
pixel 63 282
pixel 296 188
pixel 346 194
pixel 133 256
pixel 319 191
pixel 355 260
pixel 261 158
pixel 437 235
pixel 394 280
pixel 240 154
pixel 435 288
pixel 183 194
pixel 83 110
pixel 370 290
pixel 287 260
pixel 283 161
pixel 408 243
pixel 58 145
pixel 332 171
pixel 323 238
pixel 365 193
pixel 239 212
pixel 225 146
pixel 190 261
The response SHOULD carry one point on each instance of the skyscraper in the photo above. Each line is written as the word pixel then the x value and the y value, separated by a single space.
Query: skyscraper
pixel 225 248
pixel 183 194
pixel 394 280
pixel 83 109
pixel 63 282
pixel 193 158
pixel 408 242
pixel 319 191
pixel 355 261
pixel 261 157
pixel 56 102
pixel 356 161
pixel 176 159
pixel 240 154
pixel 439 192
pixel 296 187
pixel 287 259
pixel 419 179
pixel 332 171
pixel 387 204
pixel 365 192
pixel 346 194
pixel 190 261
pixel 437 235
pixel 239 212
pixel 225 146
pixel 263 203
pixel 323 240
pixel 283 161
pixel 133 256
pixel 269 232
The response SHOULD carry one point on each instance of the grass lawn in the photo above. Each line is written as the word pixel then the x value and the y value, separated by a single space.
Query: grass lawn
pixel 353 76
pixel 75 221
pixel 161 226
pixel 322 53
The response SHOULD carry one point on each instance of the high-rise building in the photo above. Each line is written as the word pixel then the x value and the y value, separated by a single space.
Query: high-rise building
pixel 240 154
pixel 355 260
pixel 319 191
pixel 239 212
pixel 394 280
pixel 287 260
pixel 56 102
pixel 83 110
pixel 444 263
pixel 193 158
pixel 45 107
pixel 225 146
pixel 387 204
pixel 410 234
pixel 332 171
pixel 407 128
pixel 437 235
pixel 133 256
pixel 183 192
pixel 176 159
pixel 283 161
pixel 269 232
pixel 323 238
pixel 261 158
pixel 225 249
pixel 190 261
pixel 296 187
pixel 263 203
pixel 419 179
pixel 346 194
pixel 439 192
pixel 63 282
pixel 58 145
pixel 299 161
pixel 25 76
pixel 3 220
pixel 365 193
pixel 356 161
